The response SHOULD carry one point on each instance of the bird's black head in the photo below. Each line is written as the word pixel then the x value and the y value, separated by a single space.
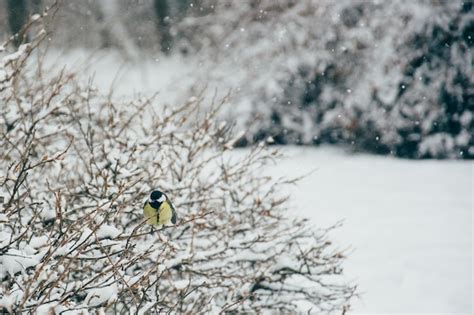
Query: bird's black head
pixel 156 199
pixel 155 195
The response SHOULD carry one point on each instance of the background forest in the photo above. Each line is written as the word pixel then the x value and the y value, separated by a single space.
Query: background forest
pixel 390 77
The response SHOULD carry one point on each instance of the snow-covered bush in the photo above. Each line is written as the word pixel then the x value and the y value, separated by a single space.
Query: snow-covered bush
pixel 392 77
pixel 75 167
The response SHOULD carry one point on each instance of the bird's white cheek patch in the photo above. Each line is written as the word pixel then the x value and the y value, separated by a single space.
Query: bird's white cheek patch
pixel 162 198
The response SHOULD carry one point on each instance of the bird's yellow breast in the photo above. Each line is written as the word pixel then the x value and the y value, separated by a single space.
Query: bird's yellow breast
pixel 158 217
pixel 150 213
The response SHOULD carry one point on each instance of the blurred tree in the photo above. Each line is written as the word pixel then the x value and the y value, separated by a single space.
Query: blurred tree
pixel 114 32
pixel 17 15
pixel 386 77
pixel 162 11
pixel 182 6
pixel 36 6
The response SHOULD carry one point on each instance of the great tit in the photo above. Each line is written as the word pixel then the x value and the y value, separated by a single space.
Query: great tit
pixel 159 210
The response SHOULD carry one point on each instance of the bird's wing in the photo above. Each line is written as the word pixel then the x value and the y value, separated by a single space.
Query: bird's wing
pixel 174 216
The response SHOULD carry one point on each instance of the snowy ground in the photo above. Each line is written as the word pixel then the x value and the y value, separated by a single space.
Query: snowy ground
pixel 409 224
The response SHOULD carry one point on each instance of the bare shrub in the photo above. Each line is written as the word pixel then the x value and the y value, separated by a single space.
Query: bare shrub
pixel 75 168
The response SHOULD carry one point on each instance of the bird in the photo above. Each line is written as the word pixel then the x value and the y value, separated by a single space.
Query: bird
pixel 158 209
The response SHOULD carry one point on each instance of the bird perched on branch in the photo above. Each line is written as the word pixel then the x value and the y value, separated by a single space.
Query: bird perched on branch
pixel 159 210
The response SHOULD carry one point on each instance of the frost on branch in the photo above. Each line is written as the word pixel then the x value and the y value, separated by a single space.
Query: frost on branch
pixel 75 169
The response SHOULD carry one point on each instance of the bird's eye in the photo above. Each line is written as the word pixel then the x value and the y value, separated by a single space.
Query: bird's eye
pixel 155 195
